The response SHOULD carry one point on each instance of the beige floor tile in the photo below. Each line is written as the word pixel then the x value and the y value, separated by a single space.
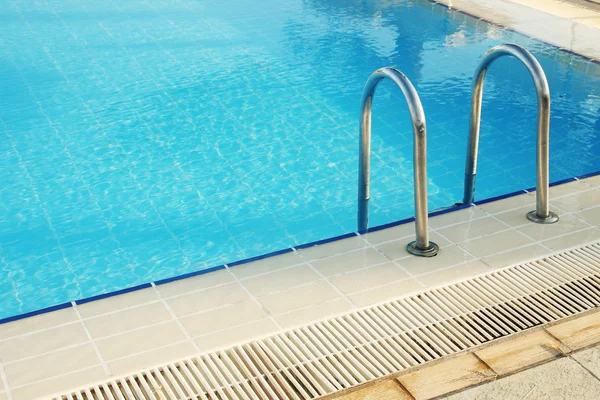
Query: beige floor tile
pixel 300 297
pixel 579 201
pixel 120 321
pixel 506 13
pixel 223 318
pixel 266 265
pixel 386 390
pixel 566 224
pixel 367 278
pixel 447 376
pixel 387 292
pixel 456 217
pixel 557 380
pixel 522 200
pixel 313 313
pixel 349 261
pixel 591 216
pixel 280 280
pixel 472 229
pixel 49 365
pixel 332 248
pixel 3 396
pixel 521 352
pixel 230 293
pixel 587 21
pixel 572 239
pixel 454 274
pixel 593 181
pixel 447 257
pixel 152 358
pixel 568 189
pixel 59 384
pixel 389 234
pixel 396 250
pixel 589 358
pixel 496 243
pixel 118 302
pixel 516 256
pixel 42 342
pixel 560 9
pixel 438 239
pixel 578 332
pixel 247 333
pixel 518 216
pixel 140 340
pixel 37 322
pixel 195 283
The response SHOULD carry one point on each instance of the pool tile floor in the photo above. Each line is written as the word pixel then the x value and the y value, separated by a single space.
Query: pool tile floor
pixel 122 334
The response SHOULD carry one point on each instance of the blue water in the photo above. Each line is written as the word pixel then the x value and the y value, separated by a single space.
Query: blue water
pixel 140 140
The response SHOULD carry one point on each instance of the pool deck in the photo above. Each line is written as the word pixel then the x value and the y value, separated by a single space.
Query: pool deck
pixel 122 334
pixel 119 335
pixel 560 23
pixel 559 361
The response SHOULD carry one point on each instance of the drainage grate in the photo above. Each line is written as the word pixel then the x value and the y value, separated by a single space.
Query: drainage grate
pixel 348 350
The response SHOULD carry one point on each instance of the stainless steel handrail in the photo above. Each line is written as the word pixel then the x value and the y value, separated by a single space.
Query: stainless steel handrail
pixel 422 246
pixel 542 213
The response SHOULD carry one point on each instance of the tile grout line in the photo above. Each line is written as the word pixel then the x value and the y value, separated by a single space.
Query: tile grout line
pixel 584 367
pixel 4 378
pixel 326 279
pixel 56 376
pixel 176 319
pixel 33 332
pixel 46 353
pixel 255 299
pixel 402 387
pixel 150 350
pixel 569 354
pixel 93 342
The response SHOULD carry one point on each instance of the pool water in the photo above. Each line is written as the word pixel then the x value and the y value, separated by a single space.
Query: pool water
pixel 142 140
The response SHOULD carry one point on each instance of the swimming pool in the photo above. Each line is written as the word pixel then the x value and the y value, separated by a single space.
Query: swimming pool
pixel 146 139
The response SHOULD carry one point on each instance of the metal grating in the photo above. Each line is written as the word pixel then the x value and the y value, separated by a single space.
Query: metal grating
pixel 331 355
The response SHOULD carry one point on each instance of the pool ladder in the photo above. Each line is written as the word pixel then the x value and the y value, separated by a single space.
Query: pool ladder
pixel 422 246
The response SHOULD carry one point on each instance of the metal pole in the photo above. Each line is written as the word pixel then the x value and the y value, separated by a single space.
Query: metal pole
pixel 542 213
pixel 421 246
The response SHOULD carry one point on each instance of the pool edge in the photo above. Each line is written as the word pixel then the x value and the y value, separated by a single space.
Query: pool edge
pixel 446 210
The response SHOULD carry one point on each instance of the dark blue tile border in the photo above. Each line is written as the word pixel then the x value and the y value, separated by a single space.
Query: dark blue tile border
pixel 388 225
pixel 591 174
pixel 568 180
pixel 189 275
pixel 111 294
pixel 256 258
pixel 434 213
pixel 323 241
pixel 36 312
pixel 446 210
pixel 503 196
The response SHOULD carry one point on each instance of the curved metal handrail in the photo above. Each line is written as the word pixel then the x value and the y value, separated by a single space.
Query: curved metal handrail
pixel 422 246
pixel 542 213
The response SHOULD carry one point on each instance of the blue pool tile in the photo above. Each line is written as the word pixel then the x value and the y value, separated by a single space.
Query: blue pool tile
pixel 160 139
